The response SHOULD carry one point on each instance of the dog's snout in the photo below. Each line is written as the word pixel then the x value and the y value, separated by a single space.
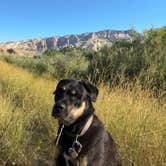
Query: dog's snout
pixel 60 106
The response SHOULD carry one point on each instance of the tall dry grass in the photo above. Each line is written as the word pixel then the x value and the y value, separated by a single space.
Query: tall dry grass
pixel 138 124
pixel 28 137
pixel 136 121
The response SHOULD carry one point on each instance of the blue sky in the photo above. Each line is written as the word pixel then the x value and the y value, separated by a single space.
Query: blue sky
pixel 25 19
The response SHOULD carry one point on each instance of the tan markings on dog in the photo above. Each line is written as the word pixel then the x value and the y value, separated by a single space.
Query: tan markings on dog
pixel 75 113
pixel 83 161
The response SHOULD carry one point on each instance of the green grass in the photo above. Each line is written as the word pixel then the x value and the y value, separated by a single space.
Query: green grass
pixel 136 121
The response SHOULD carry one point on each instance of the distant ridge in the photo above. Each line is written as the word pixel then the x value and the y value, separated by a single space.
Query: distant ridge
pixel 89 40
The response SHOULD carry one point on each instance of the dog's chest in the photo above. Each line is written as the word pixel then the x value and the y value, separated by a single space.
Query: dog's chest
pixel 84 161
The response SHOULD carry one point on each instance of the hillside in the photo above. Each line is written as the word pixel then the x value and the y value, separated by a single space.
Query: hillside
pixel 91 40
pixel 27 130
pixel 140 62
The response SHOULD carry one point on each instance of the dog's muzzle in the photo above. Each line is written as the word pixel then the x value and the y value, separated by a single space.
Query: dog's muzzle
pixel 59 110
pixel 67 115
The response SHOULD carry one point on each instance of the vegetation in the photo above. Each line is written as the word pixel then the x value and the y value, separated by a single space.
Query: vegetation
pixel 26 127
pixel 141 62
pixel 127 74
pixel 58 64
pixel 27 131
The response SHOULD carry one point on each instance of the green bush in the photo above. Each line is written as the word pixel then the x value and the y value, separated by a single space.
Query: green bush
pixel 142 62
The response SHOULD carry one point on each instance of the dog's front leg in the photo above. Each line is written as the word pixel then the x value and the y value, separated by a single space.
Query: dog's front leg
pixel 59 157
pixel 84 161
pixel 60 161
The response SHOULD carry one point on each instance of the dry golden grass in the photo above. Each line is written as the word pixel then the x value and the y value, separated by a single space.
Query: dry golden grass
pixel 138 124
pixel 136 121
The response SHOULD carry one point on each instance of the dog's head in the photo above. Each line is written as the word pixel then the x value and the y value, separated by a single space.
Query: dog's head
pixel 72 100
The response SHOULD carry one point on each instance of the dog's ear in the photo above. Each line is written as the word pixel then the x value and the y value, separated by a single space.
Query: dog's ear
pixel 92 90
pixel 61 83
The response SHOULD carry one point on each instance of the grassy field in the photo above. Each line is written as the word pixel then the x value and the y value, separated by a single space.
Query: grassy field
pixel 136 121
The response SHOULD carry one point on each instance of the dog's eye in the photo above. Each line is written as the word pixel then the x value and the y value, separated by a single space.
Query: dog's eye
pixel 73 92
pixel 63 88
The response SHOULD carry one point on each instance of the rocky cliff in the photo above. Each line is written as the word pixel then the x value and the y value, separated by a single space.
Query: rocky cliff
pixel 91 40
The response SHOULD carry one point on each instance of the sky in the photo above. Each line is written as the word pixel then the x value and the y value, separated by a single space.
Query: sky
pixel 26 19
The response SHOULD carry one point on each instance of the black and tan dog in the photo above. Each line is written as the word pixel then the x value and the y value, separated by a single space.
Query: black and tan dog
pixel 82 139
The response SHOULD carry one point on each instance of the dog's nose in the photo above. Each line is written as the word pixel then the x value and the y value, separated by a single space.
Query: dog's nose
pixel 60 106
pixel 58 109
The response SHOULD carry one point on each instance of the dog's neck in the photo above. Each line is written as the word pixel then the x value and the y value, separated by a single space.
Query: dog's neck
pixel 79 130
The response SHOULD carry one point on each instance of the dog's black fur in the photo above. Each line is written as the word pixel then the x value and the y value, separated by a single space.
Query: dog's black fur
pixel 98 147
